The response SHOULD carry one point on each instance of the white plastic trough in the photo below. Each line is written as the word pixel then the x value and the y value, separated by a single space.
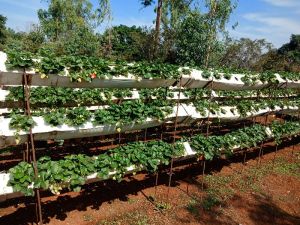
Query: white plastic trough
pixel 231 113
pixel 187 114
pixel 53 80
pixel 196 80
pixel 44 131
pixel 6 105
pixel 193 80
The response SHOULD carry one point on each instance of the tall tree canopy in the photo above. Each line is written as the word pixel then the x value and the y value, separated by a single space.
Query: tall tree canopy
pixel 3 35
pixel 244 53
pixel 65 16
pixel 128 43
pixel 69 25
pixel 292 49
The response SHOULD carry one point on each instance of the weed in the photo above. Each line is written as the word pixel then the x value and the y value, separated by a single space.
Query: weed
pixel 287 168
pixel 131 201
pixel 192 207
pixel 88 217
pixel 210 201
pixel 163 206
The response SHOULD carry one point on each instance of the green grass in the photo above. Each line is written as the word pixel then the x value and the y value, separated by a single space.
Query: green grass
pixel 287 168
pixel 192 207
pixel 162 206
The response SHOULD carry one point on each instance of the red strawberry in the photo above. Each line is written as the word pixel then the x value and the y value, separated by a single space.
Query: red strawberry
pixel 93 75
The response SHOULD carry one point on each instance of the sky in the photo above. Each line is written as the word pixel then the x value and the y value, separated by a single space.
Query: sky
pixel 273 20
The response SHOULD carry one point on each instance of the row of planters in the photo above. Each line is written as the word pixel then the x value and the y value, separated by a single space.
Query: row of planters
pixel 88 69
pixel 72 172
pixel 137 111
pixel 55 97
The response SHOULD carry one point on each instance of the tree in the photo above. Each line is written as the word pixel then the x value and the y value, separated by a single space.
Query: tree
pixel 292 49
pixel 244 53
pixel 128 43
pixel 34 39
pixel 157 21
pixel 65 16
pixel 3 34
pixel 70 24
pixel 191 46
pixel 286 58
pixel 168 13
pixel 174 12
pixel 219 12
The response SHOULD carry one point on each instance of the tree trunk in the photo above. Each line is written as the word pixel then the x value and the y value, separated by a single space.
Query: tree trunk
pixel 212 32
pixel 157 25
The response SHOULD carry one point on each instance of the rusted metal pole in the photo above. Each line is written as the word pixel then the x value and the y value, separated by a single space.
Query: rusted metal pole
pixel 31 138
pixel 275 156
pixel 207 132
pixel 170 177
pixel 210 99
pixel 174 138
pixel 156 182
pixel 145 135
pixel 119 138
pixel 203 173
pixel 25 151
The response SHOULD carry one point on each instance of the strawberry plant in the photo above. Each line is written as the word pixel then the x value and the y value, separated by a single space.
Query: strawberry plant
pixel 247 137
pixel 17 59
pixel 55 118
pixel 72 171
pixel 288 128
pixel 77 116
pixel 21 122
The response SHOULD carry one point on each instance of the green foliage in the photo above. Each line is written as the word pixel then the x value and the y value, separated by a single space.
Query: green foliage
pixel 56 117
pixel 88 68
pixel 210 201
pixel 21 177
pixel 247 137
pixel 153 103
pixel 72 171
pixel 69 26
pixel 127 112
pixel 79 42
pixel 33 40
pixel 286 129
pixel 17 59
pixel 55 97
pixel 243 106
pixel 77 116
pixel 292 49
pixel 244 53
pixel 65 16
pixel 266 92
pixel 3 34
pixel 132 111
pixel 191 45
pixel 127 43
pixel 21 122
